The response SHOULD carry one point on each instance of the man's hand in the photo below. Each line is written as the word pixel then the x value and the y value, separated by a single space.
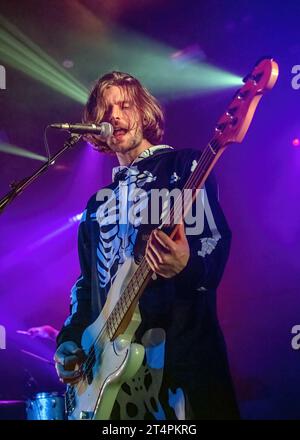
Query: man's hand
pixel 167 257
pixel 68 359
pixel 45 331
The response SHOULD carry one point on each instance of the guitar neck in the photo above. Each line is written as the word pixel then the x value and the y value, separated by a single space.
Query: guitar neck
pixel 121 315
pixel 231 127
pixel 196 181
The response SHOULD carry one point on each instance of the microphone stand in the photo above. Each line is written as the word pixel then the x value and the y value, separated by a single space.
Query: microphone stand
pixel 18 187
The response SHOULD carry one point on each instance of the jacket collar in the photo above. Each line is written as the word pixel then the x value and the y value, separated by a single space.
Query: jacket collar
pixel 149 152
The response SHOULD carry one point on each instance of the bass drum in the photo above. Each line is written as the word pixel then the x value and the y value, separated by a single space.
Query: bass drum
pixel 46 406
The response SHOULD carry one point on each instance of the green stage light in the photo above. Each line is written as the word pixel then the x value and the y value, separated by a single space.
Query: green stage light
pixel 21 53
pixel 100 47
pixel 150 61
pixel 163 74
pixel 17 151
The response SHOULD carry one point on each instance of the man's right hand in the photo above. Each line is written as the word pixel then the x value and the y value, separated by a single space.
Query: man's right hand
pixel 68 359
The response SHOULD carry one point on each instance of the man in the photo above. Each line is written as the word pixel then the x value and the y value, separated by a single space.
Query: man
pixel 185 372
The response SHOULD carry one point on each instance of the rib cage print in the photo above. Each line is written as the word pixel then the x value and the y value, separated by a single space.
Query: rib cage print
pixel 117 234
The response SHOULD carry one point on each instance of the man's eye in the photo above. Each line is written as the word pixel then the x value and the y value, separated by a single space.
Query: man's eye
pixel 125 105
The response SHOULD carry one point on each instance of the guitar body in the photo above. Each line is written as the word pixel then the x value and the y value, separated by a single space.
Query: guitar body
pixel 111 362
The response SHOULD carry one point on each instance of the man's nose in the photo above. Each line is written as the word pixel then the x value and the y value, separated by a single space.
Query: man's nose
pixel 115 114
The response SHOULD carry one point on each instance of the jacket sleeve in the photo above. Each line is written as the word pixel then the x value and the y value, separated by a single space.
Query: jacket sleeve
pixel 209 249
pixel 80 306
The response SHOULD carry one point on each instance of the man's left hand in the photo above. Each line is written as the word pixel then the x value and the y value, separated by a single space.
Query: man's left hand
pixel 167 257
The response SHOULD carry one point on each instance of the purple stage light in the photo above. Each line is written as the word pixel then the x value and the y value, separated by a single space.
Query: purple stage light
pixel 76 218
pixel 296 142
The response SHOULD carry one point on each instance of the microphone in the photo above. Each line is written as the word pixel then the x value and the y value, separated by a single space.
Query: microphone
pixel 104 130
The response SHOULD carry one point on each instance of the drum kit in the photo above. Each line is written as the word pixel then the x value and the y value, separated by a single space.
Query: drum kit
pixel 39 406
pixel 42 406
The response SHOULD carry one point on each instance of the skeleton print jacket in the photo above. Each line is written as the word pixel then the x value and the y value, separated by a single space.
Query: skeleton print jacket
pixel 185 373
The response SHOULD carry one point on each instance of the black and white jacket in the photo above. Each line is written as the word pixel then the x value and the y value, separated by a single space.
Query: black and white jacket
pixel 179 318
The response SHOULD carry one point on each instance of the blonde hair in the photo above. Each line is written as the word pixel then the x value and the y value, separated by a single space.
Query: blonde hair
pixel 150 110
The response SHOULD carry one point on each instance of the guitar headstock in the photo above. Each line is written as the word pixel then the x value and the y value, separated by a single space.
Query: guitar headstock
pixel 234 123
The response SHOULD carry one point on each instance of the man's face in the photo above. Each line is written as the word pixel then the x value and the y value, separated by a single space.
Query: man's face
pixel 125 118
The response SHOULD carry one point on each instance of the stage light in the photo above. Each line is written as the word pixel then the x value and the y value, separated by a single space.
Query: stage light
pixel 18 51
pixel 58 231
pixel 17 151
pixel 76 218
pixel 192 52
pixel 166 72
pixel 51 235
pixel 296 142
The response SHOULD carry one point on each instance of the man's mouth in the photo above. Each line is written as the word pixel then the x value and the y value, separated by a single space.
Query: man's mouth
pixel 119 132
